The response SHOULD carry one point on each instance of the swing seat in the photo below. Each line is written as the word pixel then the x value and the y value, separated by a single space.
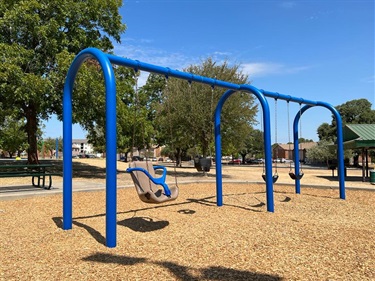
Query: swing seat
pixel 293 176
pixel 202 164
pixel 274 177
pixel 147 185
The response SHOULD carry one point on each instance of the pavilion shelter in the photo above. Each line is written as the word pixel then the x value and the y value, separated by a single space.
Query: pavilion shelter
pixel 360 137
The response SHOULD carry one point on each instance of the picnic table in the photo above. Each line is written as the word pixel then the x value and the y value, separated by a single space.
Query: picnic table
pixel 37 172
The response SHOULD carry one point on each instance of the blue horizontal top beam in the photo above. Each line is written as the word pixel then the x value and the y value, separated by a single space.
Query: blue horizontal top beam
pixel 166 71
pixel 138 65
pixel 288 98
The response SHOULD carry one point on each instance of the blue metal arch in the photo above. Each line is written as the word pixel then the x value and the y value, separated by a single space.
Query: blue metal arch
pixel 340 146
pixel 111 181
pixel 266 139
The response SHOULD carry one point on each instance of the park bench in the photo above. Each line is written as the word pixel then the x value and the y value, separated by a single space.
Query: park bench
pixel 37 172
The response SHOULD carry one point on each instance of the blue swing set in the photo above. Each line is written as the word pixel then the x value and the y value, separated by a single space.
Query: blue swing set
pixel 106 61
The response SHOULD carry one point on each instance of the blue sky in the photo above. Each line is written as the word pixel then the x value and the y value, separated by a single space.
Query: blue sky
pixel 317 50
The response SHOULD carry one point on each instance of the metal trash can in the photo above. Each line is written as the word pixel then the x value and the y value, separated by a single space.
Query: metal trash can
pixel 372 177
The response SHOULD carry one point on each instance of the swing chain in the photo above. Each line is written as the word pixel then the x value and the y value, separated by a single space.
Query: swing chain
pixel 166 89
pixel 277 150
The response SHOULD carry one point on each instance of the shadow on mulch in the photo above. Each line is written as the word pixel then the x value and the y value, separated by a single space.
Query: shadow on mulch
pixel 347 178
pixel 143 224
pixel 183 272
pixel 146 224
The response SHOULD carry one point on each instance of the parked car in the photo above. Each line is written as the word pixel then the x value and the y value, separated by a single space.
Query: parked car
pixel 91 156
pixel 255 161
pixel 235 161
pixel 137 158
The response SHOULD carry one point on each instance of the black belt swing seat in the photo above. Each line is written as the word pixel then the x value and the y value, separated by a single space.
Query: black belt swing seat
pixel 275 177
pixel 147 184
pixel 293 176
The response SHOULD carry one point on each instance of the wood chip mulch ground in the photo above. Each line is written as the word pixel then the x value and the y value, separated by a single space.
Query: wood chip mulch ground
pixel 311 236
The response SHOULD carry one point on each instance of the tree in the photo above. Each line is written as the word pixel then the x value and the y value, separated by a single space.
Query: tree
pixel 185 114
pixel 321 152
pixel 356 112
pixel 253 145
pixel 50 145
pixel 352 112
pixel 13 138
pixel 33 35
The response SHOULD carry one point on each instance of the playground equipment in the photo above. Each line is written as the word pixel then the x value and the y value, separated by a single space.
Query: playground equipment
pixel 105 61
pixel 300 174
pixel 142 173
pixel 275 175
pixel 146 184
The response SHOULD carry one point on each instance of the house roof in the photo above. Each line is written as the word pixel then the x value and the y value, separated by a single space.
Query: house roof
pixel 302 146
pixel 359 136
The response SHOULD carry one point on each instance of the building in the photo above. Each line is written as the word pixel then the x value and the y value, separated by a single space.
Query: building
pixel 81 147
pixel 287 150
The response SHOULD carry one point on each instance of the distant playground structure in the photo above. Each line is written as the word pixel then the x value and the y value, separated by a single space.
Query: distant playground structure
pixel 106 61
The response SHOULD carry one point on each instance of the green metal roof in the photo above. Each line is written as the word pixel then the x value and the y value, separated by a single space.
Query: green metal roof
pixel 359 136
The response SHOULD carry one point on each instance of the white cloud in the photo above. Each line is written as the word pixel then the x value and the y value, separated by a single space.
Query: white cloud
pixel 152 55
pixel 260 69
pixel 368 79
pixel 288 4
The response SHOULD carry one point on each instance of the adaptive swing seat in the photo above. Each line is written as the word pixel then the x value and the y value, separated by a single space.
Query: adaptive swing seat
pixel 147 185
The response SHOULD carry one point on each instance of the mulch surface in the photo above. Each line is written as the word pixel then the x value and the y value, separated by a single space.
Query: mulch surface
pixel 310 236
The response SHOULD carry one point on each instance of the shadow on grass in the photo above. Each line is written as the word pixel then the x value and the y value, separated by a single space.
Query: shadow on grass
pixel 181 272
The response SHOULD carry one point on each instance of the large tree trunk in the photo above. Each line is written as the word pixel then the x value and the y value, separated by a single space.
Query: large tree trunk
pixel 178 157
pixel 31 129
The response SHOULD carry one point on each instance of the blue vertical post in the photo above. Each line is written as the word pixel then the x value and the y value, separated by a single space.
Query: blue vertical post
pixel 217 124
pixel 111 163
pixel 67 147
pixel 296 157
pixel 267 142
pixel 340 155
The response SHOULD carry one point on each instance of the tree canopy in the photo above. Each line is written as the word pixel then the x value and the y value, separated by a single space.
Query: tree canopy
pixel 184 117
pixel 356 111
pixel 34 36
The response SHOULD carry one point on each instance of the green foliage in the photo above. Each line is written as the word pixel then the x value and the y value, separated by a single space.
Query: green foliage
pixel 324 151
pixel 185 113
pixel 352 112
pixel 12 136
pixel 321 152
pixel 356 112
pixel 38 39
pixel 253 145
pixel 49 145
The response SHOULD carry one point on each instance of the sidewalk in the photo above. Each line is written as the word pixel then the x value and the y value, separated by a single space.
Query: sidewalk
pixel 22 191
pixel 13 192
